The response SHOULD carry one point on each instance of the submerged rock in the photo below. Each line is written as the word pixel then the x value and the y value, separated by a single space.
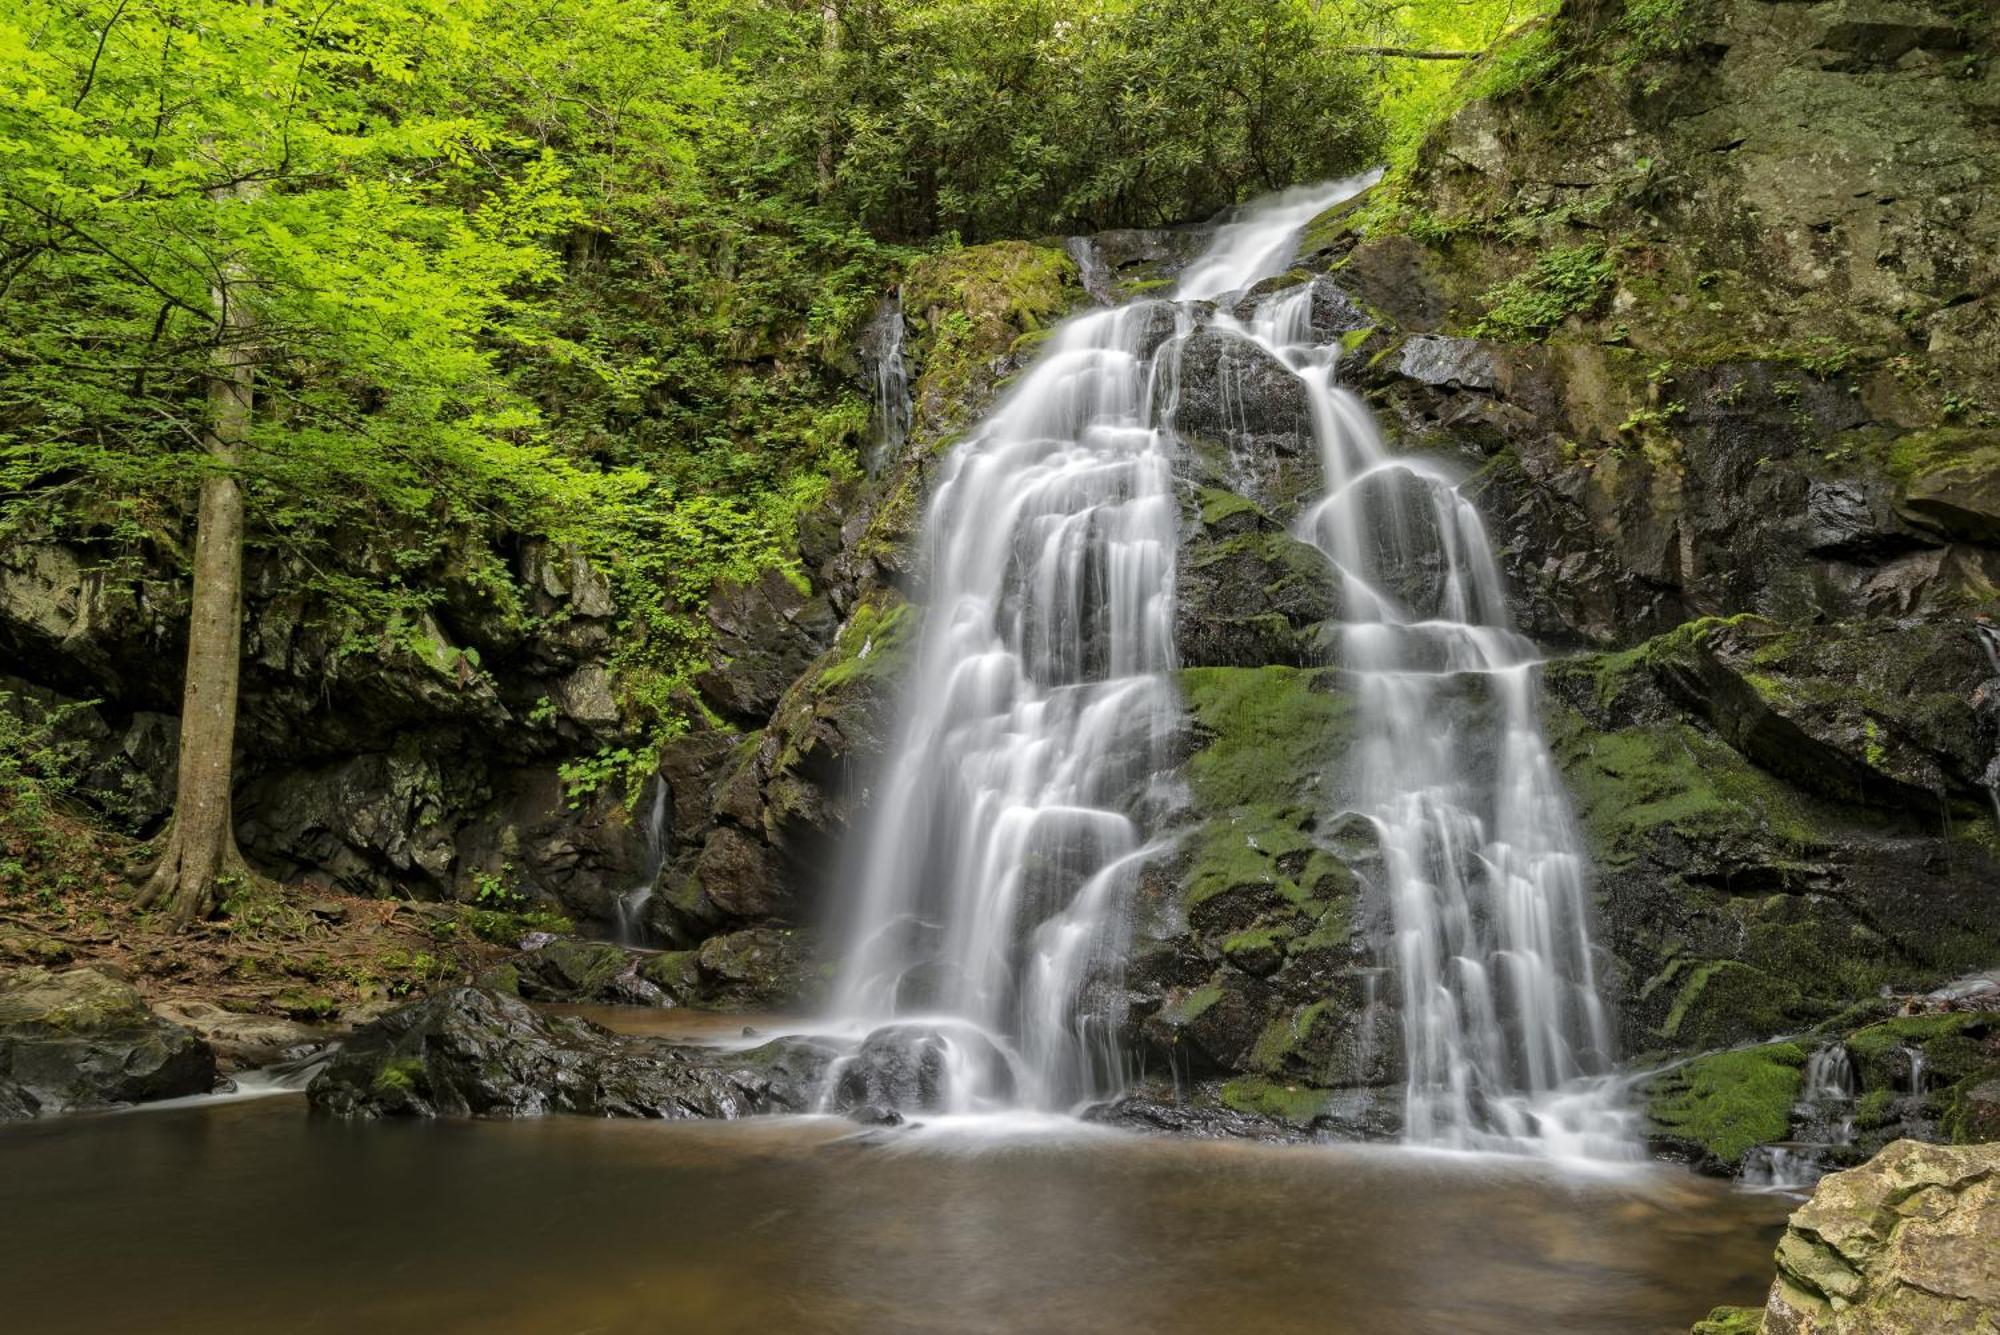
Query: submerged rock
pixel 467 1052
pixel 1906 1244
pixel 78 1039
pixel 1139 1112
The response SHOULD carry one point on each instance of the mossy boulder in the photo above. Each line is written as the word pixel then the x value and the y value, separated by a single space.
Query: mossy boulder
pixel 1903 1245
pixel 79 1039
pixel 969 310
pixel 1250 958
pixel 576 971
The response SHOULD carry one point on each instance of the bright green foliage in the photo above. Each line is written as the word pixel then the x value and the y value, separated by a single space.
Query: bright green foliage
pixel 1415 95
pixel 993 118
pixel 584 271
pixel 1561 283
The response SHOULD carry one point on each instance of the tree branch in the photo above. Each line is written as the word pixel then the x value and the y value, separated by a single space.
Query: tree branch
pixel 1404 53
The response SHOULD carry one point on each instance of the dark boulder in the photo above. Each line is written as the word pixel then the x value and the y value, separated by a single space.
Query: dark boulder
pixel 78 1039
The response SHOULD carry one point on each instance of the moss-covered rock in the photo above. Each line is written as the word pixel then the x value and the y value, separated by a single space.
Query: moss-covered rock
pixel 970 309
pixel 79 1039
pixel 1722 1106
pixel 1742 901
pixel 1902 1245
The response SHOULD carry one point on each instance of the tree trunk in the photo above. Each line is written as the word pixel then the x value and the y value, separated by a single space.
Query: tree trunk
pixel 201 843
pixel 829 46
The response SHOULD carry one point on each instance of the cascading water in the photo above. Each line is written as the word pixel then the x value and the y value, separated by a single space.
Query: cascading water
pixel 630 907
pixel 1021 794
pixel 892 408
pixel 1505 1040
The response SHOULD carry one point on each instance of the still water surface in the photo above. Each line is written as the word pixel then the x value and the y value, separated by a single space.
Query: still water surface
pixel 253 1216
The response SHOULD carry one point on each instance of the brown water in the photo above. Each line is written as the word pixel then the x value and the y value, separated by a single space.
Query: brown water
pixel 254 1217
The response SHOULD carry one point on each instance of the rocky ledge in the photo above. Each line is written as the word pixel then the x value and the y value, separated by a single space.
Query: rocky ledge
pixel 1906 1244
pixel 472 1052
pixel 78 1039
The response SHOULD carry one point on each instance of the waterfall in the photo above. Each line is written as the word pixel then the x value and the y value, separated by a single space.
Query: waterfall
pixel 1023 790
pixel 1506 1042
pixel 1030 776
pixel 630 907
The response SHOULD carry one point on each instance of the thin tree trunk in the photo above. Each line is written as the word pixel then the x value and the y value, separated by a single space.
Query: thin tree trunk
pixel 829 45
pixel 201 847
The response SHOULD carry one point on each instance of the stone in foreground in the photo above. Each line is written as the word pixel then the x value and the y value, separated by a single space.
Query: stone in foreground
pixel 1906 1244
pixel 469 1052
pixel 77 1040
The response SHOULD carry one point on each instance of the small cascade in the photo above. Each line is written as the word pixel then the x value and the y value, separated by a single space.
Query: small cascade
pixel 1822 1125
pixel 630 907
pixel 883 347
pixel 1989 640
pixel 1915 1056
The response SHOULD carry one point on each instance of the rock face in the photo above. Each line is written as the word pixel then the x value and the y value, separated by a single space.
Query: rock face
pixel 77 1040
pixel 1907 1243
pixel 467 1052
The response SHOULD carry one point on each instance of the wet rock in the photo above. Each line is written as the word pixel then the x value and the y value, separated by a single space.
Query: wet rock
pixel 767 632
pixel 243 1042
pixel 1248 593
pixel 78 1039
pixel 1456 363
pixel 1903 1245
pixel 581 971
pixel 1140 1112
pixel 1132 261
pixel 469 1052
pixel 1235 393
pixel 1961 498
pixel 1330 315
pixel 910 1066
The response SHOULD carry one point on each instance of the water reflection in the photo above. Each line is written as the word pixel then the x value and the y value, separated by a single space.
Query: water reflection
pixel 251 1216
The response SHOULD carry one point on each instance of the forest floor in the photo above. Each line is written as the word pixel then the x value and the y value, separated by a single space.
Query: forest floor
pixel 306 953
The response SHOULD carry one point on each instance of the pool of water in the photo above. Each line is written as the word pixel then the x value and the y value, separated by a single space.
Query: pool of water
pixel 255 1216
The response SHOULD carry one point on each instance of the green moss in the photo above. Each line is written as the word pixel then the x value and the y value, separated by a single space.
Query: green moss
pixel 1267 734
pixel 1256 939
pixel 1634 782
pixel 1730 1321
pixel 1919 454
pixel 1190 1006
pixel 403 1075
pixel 674 972
pixel 1297 1104
pixel 1951 1045
pixel 874 643
pixel 1726 1000
pixel 1876 1109
pixel 970 307
pixel 1729 1102
pixel 1218 506
pixel 505 927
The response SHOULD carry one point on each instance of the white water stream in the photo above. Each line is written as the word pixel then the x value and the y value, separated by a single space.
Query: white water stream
pixel 1027 784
